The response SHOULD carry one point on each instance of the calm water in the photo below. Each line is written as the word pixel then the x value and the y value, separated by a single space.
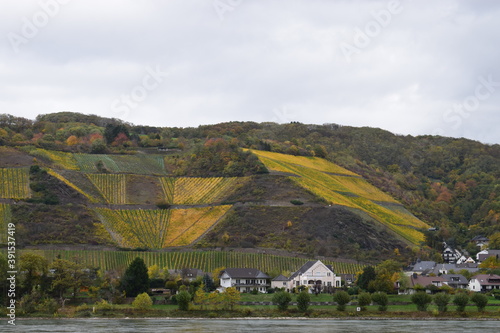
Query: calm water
pixel 248 325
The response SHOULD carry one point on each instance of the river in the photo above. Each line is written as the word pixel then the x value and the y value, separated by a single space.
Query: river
pixel 248 325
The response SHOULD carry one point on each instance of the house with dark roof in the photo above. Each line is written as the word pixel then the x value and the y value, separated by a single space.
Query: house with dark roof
pixel 446 268
pixel 315 275
pixel 456 281
pixel 245 279
pixel 480 241
pixel 189 274
pixel 484 282
pixel 483 255
pixel 425 281
pixel 422 267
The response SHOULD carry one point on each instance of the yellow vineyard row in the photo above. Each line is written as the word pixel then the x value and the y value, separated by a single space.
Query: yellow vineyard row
pixel 112 187
pixel 159 228
pixel 14 183
pixel 5 218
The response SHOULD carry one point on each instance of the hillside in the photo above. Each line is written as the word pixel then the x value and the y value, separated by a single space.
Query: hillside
pixel 103 181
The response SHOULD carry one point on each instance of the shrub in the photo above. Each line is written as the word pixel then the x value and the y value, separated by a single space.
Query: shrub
pixel 461 300
pixel 303 300
pixel 296 202
pixel 480 300
pixel 381 300
pixel 364 299
pixel 341 298
pixel 142 302
pixel 183 298
pixel 422 300
pixel 442 300
pixel 496 294
pixel 282 299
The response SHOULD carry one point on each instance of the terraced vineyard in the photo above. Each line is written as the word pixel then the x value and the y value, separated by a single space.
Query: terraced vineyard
pixel 60 159
pixel 189 191
pixel 72 185
pixel 204 260
pixel 112 187
pixel 138 164
pixel 5 218
pixel 159 228
pixel 14 183
pixel 347 190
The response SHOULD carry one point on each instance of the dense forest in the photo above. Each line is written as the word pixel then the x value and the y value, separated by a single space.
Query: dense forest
pixel 450 183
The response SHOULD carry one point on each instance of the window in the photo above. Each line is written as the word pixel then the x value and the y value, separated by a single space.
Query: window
pixel 329 284
pixel 327 274
pixel 237 281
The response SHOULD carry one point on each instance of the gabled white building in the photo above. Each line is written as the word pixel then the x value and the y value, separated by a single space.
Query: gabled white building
pixel 314 274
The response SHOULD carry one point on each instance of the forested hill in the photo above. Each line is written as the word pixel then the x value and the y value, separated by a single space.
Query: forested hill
pixel 448 183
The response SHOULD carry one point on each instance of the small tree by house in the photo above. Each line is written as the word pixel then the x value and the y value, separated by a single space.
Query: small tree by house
pixel 341 298
pixel 136 279
pixel 480 300
pixel 231 297
pixel 183 299
pixel 442 300
pixel 142 302
pixel 381 299
pixel 303 300
pixel 364 299
pixel 422 300
pixel 282 299
pixel 461 300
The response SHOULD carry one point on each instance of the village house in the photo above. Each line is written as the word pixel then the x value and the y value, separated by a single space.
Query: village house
pixel 450 255
pixel 484 282
pixel 245 279
pixel 485 254
pixel 316 276
pixel 480 241
pixel 421 267
pixel 455 281
pixel 280 281
pixel 425 282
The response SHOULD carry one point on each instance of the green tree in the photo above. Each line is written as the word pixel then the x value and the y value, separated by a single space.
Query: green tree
pixel 135 280
pixel 381 299
pixel 422 300
pixel 366 277
pixel 231 297
pixel 142 302
pixel 200 297
pixel 68 275
pixel 303 300
pixel 34 268
pixel 364 299
pixel 461 300
pixel 341 298
pixel 494 241
pixel 183 300
pixel 480 300
pixel 282 299
pixel 442 300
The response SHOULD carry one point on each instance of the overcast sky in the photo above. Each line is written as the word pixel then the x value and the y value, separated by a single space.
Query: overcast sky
pixel 411 67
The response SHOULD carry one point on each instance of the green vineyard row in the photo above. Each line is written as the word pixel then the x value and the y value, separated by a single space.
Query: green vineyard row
pixel 207 261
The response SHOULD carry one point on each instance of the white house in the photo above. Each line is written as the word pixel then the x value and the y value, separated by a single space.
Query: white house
pixel 484 282
pixel 315 274
pixel 280 281
pixel 245 279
